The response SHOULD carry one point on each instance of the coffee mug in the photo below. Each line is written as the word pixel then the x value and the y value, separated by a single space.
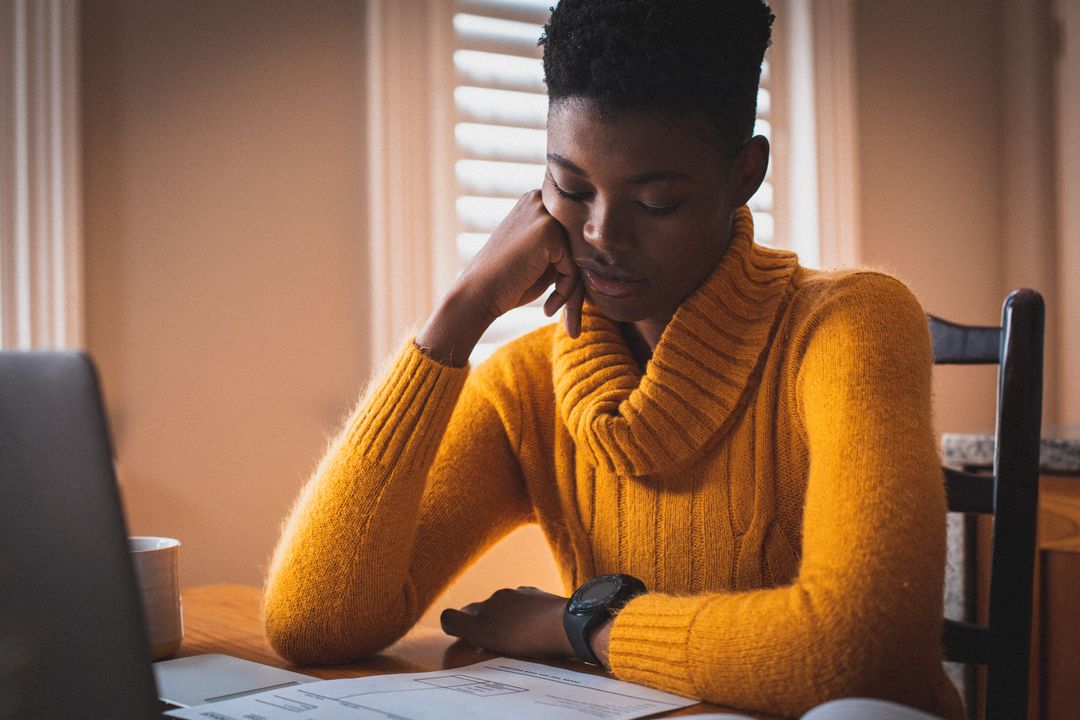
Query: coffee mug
pixel 156 561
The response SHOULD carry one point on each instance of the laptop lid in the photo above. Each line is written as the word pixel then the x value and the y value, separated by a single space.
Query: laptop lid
pixel 72 639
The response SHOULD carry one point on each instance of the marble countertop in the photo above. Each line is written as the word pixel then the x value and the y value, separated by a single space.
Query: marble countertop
pixel 1056 455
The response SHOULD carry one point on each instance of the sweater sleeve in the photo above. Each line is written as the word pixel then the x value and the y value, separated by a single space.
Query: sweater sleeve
pixel 863 616
pixel 421 479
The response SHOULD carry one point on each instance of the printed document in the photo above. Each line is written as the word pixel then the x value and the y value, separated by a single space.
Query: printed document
pixel 496 689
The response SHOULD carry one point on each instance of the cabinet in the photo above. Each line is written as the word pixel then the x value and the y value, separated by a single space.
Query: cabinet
pixel 1055 633
pixel 1056 629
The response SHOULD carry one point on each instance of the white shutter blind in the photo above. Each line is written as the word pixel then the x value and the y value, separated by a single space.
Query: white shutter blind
pixel 500 112
pixel 499 130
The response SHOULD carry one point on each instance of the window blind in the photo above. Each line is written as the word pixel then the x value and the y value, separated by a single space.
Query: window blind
pixel 500 112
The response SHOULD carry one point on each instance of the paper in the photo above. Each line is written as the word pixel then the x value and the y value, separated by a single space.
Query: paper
pixel 497 689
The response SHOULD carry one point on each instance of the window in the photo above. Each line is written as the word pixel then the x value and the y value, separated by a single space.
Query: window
pixel 499 116
pixel 500 112
pixel 457 113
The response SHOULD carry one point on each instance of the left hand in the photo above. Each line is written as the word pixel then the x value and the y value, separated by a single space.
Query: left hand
pixel 526 622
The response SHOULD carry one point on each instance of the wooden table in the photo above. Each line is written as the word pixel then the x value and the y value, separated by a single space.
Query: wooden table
pixel 226 619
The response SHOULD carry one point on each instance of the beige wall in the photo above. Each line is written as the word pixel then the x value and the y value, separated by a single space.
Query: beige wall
pixel 1068 201
pixel 225 235
pixel 955 162
pixel 224 246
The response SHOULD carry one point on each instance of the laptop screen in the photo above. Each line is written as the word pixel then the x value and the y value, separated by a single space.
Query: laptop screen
pixel 72 640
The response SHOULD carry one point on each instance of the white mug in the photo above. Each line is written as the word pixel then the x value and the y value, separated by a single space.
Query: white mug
pixel 156 561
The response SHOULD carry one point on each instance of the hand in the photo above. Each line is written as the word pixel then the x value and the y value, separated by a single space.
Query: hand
pixel 525 254
pixel 525 622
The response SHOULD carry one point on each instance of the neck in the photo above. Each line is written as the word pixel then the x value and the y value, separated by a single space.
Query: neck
pixel 642 337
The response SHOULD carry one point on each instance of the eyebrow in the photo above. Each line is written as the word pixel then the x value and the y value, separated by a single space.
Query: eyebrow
pixel 640 179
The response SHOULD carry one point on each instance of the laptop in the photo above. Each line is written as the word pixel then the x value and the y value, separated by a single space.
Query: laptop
pixel 73 643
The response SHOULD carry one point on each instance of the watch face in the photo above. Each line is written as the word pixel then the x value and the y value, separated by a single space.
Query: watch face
pixel 609 592
pixel 598 591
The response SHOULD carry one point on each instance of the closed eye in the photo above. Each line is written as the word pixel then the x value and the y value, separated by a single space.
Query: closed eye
pixel 654 210
pixel 575 196
pixel 582 196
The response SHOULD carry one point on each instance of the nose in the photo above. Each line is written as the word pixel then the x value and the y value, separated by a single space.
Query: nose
pixel 605 227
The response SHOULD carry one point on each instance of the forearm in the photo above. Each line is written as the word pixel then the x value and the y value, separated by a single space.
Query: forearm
pixel 452 331
pixel 343 555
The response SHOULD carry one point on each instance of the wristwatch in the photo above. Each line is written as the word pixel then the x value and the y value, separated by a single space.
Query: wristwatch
pixel 594 603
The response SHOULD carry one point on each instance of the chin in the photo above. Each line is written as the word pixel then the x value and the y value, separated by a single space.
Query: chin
pixel 620 309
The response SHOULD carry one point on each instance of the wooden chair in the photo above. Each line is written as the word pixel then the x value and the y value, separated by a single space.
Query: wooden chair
pixel 1010 494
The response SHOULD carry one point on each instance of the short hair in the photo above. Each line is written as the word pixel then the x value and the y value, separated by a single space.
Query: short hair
pixel 677 56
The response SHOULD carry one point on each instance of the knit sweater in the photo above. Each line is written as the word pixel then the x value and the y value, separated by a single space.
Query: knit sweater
pixel 771 475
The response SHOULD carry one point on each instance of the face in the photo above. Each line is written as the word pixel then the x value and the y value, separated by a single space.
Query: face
pixel 647 202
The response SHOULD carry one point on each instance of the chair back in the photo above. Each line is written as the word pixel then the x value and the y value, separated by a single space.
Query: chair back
pixel 1010 495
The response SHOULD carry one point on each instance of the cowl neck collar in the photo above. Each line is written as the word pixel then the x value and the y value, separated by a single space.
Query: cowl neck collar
pixel 633 422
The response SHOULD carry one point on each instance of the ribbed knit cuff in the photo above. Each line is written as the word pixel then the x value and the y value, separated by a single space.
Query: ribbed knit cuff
pixel 650 642
pixel 403 418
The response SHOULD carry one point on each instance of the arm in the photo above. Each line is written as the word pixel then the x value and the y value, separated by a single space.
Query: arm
pixel 863 616
pixel 384 523
pixel 355 565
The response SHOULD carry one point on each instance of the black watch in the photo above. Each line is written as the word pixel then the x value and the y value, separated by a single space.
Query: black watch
pixel 594 603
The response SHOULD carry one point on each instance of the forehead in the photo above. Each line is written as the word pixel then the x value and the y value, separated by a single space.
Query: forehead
pixel 632 140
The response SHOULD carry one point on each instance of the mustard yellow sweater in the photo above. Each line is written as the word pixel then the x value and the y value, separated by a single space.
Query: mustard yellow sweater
pixel 772 477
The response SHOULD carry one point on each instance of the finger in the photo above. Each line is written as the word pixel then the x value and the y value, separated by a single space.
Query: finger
pixel 572 310
pixel 565 286
pixel 455 622
pixel 537 288
pixel 560 258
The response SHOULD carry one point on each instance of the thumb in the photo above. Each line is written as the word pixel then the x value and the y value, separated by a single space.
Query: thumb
pixel 455 622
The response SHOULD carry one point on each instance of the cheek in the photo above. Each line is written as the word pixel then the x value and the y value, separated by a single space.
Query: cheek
pixel 566 212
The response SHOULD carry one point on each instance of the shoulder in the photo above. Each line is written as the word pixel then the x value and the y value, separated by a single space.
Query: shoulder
pixel 864 306
pixel 854 327
pixel 853 292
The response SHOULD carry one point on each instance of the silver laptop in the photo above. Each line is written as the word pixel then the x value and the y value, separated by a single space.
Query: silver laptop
pixel 72 639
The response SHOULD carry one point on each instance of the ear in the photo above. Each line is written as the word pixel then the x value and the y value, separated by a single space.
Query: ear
pixel 748 170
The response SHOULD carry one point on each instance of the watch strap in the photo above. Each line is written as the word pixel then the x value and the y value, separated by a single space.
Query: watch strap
pixel 578 628
pixel 581 617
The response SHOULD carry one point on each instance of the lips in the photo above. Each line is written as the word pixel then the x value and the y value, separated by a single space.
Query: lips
pixel 609 281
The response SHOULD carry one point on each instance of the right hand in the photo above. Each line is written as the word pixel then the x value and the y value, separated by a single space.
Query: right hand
pixel 525 254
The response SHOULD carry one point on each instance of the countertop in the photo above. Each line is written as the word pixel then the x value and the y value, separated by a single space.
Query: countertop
pixel 1057 456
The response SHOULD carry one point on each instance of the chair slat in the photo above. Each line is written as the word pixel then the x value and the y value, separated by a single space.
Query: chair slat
pixel 965 642
pixel 964 344
pixel 969 493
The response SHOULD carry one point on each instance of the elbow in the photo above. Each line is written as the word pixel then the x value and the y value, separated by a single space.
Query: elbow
pixel 291 642
pixel 306 633
pixel 308 641
pixel 880 654
pixel 297 636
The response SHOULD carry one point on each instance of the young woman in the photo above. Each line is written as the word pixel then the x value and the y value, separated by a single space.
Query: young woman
pixel 731 456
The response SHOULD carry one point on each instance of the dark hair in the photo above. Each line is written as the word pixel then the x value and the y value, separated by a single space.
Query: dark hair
pixel 678 56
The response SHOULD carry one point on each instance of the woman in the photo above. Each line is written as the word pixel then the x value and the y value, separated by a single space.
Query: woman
pixel 739 448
